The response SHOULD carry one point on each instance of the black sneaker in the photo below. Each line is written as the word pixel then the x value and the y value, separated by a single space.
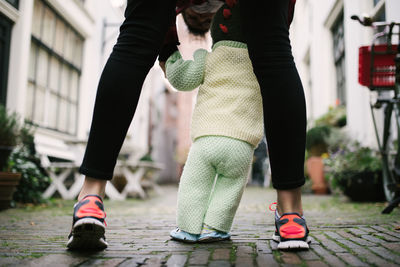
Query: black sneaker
pixel 88 226
pixel 291 232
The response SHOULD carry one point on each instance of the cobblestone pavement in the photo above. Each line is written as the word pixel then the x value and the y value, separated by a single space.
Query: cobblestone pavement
pixel 343 233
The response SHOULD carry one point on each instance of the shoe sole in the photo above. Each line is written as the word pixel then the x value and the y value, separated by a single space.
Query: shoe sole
pixel 212 239
pixel 87 234
pixel 183 240
pixel 291 244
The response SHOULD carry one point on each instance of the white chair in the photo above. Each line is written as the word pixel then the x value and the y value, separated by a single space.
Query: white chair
pixel 131 168
pixel 134 172
pixel 59 171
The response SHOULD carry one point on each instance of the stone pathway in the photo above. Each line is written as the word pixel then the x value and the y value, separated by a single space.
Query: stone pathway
pixel 343 233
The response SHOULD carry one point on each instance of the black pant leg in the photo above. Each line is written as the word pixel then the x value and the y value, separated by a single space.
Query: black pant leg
pixel 265 25
pixel 139 41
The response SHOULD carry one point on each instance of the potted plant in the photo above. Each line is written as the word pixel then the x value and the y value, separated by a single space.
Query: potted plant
pixel 9 135
pixel 9 132
pixel 316 140
pixel 335 117
pixel 357 172
pixel 24 160
pixel 317 145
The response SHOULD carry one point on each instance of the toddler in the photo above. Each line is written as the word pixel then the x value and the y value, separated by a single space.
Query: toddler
pixel 227 125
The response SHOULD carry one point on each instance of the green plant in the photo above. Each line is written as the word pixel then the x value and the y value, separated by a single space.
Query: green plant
pixel 9 127
pixel 335 117
pixel 316 140
pixel 350 160
pixel 147 157
pixel 337 140
pixel 24 160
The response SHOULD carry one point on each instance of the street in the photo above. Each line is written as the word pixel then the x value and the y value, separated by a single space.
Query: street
pixel 343 234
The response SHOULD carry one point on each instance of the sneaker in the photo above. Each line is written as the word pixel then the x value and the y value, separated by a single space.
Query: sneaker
pixel 291 231
pixel 180 235
pixel 209 234
pixel 88 226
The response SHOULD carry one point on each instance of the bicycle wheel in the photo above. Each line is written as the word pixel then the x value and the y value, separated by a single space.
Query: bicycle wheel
pixel 388 183
pixel 391 171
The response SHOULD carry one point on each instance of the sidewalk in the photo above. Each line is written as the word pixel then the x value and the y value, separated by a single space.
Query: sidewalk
pixel 344 234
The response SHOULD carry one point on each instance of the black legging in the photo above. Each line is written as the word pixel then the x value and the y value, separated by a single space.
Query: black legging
pixel 141 34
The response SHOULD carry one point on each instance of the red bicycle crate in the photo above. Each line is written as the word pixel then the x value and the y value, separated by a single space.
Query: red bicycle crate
pixel 383 73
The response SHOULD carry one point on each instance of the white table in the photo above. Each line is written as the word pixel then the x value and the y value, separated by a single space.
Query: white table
pixel 135 174
pixel 132 169
pixel 59 172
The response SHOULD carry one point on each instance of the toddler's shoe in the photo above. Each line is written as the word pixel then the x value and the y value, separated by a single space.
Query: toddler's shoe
pixel 180 235
pixel 88 225
pixel 209 234
pixel 291 231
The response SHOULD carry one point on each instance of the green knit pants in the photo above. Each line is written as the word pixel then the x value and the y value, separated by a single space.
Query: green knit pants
pixel 213 159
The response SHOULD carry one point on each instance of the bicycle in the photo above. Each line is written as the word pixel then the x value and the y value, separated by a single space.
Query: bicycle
pixel 379 70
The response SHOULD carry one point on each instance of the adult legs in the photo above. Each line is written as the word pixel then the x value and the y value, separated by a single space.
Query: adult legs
pixel 265 24
pixel 138 45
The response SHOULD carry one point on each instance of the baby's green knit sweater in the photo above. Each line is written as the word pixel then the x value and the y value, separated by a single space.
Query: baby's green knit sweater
pixel 229 100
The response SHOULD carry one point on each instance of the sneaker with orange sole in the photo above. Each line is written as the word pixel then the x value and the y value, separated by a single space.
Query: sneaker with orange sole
pixel 291 232
pixel 88 226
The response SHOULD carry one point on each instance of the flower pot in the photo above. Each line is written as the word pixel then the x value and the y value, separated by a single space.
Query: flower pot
pixel 5 152
pixel 362 186
pixel 315 170
pixel 8 184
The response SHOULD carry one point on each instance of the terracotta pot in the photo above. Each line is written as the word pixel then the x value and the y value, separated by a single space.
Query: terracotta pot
pixel 8 184
pixel 315 170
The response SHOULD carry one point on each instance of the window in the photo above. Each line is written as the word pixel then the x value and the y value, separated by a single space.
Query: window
pixel 54 71
pixel 339 57
pixel 14 3
pixel 380 15
pixel 5 35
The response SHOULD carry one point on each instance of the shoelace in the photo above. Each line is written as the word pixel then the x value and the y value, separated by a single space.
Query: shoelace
pixel 270 206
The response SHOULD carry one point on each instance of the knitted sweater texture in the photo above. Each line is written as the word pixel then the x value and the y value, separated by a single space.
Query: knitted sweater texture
pixel 229 101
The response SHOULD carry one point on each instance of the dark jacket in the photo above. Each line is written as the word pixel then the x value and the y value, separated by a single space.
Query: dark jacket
pixel 171 39
pixel 182 4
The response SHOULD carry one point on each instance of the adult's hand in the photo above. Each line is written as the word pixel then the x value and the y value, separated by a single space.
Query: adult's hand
pixel 162 66
pixel 170 44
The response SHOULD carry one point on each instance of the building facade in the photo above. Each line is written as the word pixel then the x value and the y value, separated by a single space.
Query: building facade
pixel 52 53
pixel 55 56
pixel 325 45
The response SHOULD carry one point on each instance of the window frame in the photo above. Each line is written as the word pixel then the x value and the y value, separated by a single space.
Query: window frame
pixel 38 44
pixel 339 60
pixel 376 2
pixel 7 25
pixel 14 3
